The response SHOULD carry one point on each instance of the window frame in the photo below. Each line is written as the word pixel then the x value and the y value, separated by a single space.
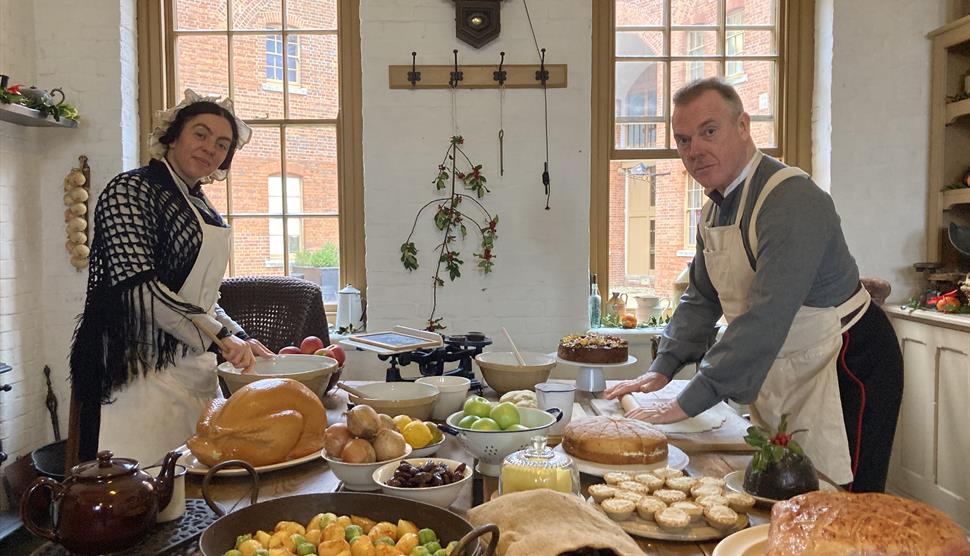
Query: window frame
pixel 795 76
pixel 284 55
pixel 156 81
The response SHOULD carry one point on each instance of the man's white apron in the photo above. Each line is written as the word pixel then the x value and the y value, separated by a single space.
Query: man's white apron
pixel 803 379
pixel 158 412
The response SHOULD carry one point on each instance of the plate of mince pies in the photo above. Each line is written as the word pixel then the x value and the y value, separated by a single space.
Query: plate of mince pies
pixel 666 504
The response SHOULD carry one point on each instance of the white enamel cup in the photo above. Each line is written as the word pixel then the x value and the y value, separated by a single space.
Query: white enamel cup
pixel 557 394
pixel 176 506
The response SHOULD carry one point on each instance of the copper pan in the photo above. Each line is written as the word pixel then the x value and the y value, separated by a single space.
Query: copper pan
pixel 221 535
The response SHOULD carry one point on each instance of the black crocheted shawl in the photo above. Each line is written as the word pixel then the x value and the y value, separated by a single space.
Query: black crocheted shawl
pixel 144 233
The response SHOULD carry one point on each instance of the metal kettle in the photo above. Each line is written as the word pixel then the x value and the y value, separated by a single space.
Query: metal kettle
pixel 350 309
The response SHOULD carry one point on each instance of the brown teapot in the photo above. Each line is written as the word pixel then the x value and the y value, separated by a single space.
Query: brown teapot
pixel 104 505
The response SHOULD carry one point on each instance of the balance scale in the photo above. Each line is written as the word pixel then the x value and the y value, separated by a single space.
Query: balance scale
pixel 589 376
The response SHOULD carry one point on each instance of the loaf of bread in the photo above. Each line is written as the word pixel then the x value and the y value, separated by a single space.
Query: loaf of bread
pixel 870 524
pixel 614 441
pixel 265 422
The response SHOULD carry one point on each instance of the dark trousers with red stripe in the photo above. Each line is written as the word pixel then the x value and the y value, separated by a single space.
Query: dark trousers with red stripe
pixel 871 387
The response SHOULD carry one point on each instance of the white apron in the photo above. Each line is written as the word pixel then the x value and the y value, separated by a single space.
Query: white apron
pixel 803 379
pixel 158 412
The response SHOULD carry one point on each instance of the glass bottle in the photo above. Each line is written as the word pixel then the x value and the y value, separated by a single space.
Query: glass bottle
pixel 594 304
pixel 538 467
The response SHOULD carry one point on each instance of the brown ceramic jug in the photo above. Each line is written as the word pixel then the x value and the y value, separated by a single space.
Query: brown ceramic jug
pixel 105 505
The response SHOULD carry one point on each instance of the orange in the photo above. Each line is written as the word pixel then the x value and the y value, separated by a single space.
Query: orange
pixel 628 320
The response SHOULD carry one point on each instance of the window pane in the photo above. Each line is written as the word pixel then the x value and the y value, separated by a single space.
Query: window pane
pixel 316 256
pixel 693 43
pixel 647 241
pixel 195 15
pixel 639 104
pixel 251 247
pixel 764 134
pixel 311 14
pixel 750 43
pixel 682 73
pixel 639 12
pixel 257 90
pixel 756 12
pixel 316 95
pixel 693 12
pixel 640 43
pixel 216 192
pixel 758 89
pixel 311 153
pixel 252 167
pixel 202 64
pixel 256 14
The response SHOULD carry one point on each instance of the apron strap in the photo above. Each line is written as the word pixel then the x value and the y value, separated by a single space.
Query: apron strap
pixel 773 182
pixel 852 309
pixel 706 212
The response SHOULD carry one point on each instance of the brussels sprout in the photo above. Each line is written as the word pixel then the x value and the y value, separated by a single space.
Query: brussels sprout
pixel 384 540
pixel 426 535
pixel 420 551
pixel 327 519
pixel 351 532
pixel 441 552
pixel 232 552
pixel 305 549
pixel 241 539
pixel 262 552
pixel 433 546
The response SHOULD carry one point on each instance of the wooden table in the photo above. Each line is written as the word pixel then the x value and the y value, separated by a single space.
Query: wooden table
pixel 316 477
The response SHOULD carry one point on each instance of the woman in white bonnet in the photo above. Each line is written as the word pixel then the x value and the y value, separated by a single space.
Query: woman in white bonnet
pixel 143 358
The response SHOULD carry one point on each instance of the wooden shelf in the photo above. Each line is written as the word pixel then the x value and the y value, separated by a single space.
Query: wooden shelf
pixel 21 115
pixel 956 110
pixel 955 197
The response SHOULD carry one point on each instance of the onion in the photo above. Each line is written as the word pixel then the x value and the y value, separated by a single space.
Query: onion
pixel 79 195
pixel 77 224
pixel 78 209
pixel 363 421
pixel 387 422
pixel 78 237
pixel 335 438
pixel 358 450
pixel 389 444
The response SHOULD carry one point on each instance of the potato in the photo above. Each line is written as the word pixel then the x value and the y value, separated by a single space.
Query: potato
pixel 344 521
pixel 263 538
pixel 314 522
pixel 279 552
pixel 362 546
pixel 332 532
pixel 313 536
pixel 334 548
pixel 290 527
pixel 365 523
pixel 407 542
pixel 404 527
pixel 249 548
pixel 381 549
pixel 383 529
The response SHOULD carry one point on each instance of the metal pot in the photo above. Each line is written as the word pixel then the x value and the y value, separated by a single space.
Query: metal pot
pixel 221 535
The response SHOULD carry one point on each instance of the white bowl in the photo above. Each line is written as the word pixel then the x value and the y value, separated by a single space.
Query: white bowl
pixel 359 476
pixel 428 450
pixel 442 496
pixel 312 370
pixel 398 398
pixel 491 447
pixel 502 372
pixel 453 390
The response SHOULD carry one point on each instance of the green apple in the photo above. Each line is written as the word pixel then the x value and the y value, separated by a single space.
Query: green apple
pixel 505 414
pixel 485 424
pixel 467 421
pixel 517 427
pixel 477 406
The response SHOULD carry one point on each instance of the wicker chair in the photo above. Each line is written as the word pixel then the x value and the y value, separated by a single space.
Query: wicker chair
pixel 277 310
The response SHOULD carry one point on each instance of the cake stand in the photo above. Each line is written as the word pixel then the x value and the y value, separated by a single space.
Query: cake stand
pixel 590 378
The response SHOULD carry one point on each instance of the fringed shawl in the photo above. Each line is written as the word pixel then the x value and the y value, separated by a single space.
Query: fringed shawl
pixel 144 230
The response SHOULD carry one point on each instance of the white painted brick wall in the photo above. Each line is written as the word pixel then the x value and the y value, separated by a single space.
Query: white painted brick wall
pixel 538 286
pixel 88 49
pixel 880 133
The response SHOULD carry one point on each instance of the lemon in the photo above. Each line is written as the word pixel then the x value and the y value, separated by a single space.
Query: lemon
pixel 417 434
pixel 400 422
pixel 436 435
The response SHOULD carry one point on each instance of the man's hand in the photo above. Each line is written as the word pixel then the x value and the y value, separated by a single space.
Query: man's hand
pixel 647 382
pixel 238 353
pixel 659 413
pixel 258 349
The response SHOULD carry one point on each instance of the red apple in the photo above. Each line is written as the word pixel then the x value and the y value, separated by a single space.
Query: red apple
pixel 290 350
pixel 310 345
pixel 334 351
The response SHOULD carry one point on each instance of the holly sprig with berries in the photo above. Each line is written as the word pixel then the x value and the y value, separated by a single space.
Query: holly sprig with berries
pixel 453 222
pixel 772 447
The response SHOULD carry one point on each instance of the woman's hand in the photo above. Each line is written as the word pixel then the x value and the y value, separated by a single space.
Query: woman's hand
pixel 647 382
pixel 258 349
pixel 238 352
pixel 659 413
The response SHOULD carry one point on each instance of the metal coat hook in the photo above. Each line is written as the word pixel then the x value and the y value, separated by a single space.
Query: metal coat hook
pixel 500 75
pixel 414 75
pixel 456 75
pixel 543 73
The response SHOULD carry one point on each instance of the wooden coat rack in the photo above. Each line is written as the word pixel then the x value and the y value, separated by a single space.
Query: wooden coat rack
pixel 479 76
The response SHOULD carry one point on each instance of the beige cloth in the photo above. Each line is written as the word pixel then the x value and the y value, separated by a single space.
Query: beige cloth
pixel 544 522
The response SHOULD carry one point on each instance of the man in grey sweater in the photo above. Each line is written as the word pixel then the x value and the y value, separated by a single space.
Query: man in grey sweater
pixel 803 338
